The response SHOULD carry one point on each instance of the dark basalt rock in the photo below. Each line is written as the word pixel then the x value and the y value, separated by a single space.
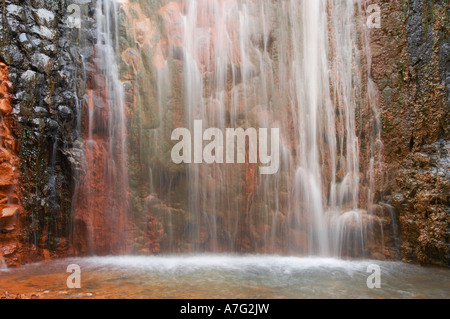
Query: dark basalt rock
pixel 42 54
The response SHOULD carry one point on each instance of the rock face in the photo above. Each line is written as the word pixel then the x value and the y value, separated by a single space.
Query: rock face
pixel 36 47
pixel 47 75
pixel 10 232
pixel 412 71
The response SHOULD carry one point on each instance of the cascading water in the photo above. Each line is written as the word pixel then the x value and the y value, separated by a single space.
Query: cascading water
pixel 299 66
pixel 101 200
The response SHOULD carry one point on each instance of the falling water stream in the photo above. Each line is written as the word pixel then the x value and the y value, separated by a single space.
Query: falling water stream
pixel 300 66
pixel 101 199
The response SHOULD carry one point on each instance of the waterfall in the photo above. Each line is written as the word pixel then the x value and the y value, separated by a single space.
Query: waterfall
pixel 101 201
pixel 300 66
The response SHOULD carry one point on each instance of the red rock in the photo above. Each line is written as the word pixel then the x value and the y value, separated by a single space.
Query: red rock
pixel 3 72
pixel 6 174
pixel 46 254
pixel 132 58
pixel 161 54
pixel 5 106
pixel 10 211
pixel 5 155
pixel 13 199
pixel 171 14
pixel 300 240
pixel 98 83
pixel 96 230
pixel 143 31
pixel 8 250
pixel 206 53
pixel 5 88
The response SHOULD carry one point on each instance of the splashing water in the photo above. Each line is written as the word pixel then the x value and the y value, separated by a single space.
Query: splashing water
pixel 226 276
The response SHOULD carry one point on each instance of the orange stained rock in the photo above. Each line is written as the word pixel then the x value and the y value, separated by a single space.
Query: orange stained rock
pixel 132 58
pixel 5 106
pixel 143 31
pixel 171 14
pixel 9 167
pixel 161 54
pixel 5 90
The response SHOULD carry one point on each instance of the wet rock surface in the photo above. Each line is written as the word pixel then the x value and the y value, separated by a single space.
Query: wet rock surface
pixel 37 46
pixel 10 231
pixel 411 69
